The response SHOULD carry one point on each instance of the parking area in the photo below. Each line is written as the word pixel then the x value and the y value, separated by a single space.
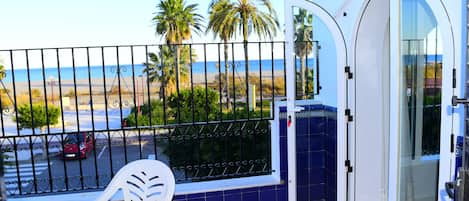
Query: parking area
pixel 56 174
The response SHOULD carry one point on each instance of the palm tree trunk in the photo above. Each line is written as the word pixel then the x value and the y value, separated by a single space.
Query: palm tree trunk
pixel 176 64
pixel 245 37
pixel 227 90
pixel 246 56
pixel 161 90
pixel 302 77
pixel 6 91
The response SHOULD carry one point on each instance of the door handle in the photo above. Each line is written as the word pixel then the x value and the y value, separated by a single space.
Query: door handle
pixel 298 109
pixel 449 187
pixel 455 101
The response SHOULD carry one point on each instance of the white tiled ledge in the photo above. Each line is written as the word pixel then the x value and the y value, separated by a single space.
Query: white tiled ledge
pixel 181 189
pixel 227 184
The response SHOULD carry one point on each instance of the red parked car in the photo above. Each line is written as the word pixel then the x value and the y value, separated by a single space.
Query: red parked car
pixel 76 146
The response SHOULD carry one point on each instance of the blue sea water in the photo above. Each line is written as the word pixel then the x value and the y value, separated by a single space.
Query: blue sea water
pixel 81 72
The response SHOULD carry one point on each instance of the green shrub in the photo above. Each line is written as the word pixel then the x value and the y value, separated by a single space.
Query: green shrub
pixel 184 102
pixel 204 103
pixel 38 118
pixel 154 109
pixel 242 113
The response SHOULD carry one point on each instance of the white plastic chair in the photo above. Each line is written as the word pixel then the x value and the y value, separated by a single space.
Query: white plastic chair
pixel 142 180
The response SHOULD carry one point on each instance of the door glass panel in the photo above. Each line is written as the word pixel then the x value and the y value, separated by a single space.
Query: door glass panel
pixel 420 102
pixel 316 92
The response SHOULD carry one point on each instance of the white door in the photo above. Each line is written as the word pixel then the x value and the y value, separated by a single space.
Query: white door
pixel 311 86
pixel 424 123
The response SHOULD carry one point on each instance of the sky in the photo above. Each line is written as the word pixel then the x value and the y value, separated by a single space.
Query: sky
pixel 26 24
pixel 66 23
pixel 60 23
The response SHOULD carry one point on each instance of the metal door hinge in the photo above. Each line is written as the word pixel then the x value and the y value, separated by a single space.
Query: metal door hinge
pixel 454 78
pixel 348 114
pixel 349 72
pixel 452 143
pixel 348 166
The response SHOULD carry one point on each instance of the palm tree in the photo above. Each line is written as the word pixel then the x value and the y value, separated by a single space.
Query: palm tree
pixel 303 43
pixel 175 21
pixel 3 74
pixel 224 28
pixel 245 16
pixel 251 18
pixel 160 68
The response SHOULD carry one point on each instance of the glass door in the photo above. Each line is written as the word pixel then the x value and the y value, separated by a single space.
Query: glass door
pixel 316 97
pixel 424 112
pixel 315 59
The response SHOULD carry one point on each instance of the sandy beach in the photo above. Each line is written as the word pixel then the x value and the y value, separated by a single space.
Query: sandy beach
pixel 129 90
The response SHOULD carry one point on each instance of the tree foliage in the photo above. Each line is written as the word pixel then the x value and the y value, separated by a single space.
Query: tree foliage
pixel 220 22
pixel 245 16
pixel 162 68
pixel 225 29
pixel 5 98
pixel 39 117
pixel 227 16
pixel 3 73
pixel 175 21
pixel 303 22
pixel 152 111
pixel 181 108
pixel 200 105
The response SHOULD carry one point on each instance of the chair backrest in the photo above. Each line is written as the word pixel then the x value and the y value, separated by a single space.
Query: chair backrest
pixel 142 180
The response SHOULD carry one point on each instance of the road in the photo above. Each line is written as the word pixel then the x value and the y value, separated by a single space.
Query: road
pixel 96 168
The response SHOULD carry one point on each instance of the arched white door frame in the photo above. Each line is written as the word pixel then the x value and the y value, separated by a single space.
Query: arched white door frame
pixel 447 164
pixel 369 98
pixel 342 61
pixel 446 168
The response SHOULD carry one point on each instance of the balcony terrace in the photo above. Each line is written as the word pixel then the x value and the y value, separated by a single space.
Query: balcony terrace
pixel 221 128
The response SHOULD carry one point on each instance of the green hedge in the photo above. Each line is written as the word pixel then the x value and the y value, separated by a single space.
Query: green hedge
pixel 199 105
pixel 39 117
pixel 154 109
pixel 204 104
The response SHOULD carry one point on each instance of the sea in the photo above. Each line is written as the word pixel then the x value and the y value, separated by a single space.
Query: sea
pixel 129 70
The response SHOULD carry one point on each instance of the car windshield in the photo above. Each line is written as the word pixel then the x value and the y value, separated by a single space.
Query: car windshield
pixel 73 139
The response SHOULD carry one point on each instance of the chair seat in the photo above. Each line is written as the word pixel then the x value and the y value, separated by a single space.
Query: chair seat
pixel 142 180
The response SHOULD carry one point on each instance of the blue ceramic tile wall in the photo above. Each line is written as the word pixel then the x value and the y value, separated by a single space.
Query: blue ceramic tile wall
pixel 269 193
pixel 331 156
pixel 312 138
pixel 316 158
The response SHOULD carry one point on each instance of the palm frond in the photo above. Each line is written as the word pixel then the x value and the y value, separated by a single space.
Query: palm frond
pixel 227 18
pixel 175 21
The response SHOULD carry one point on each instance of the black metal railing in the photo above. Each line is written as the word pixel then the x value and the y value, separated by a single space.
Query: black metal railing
pixel 72 117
